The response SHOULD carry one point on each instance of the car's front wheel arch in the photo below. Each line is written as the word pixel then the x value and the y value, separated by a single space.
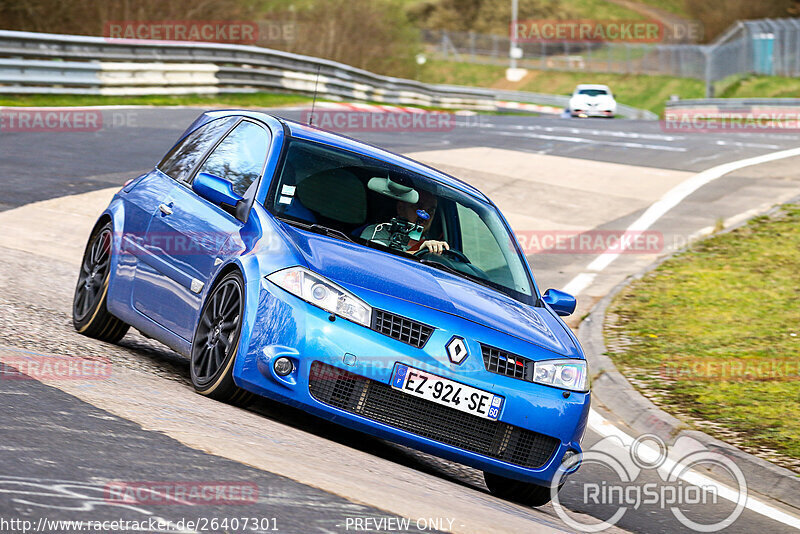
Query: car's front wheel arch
pixel 220 385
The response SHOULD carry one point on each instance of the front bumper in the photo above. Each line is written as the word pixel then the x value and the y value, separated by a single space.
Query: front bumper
pixel 533 416
pixel 592 113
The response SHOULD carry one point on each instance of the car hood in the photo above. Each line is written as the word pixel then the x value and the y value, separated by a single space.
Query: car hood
pixel 602 100
pixel 356 266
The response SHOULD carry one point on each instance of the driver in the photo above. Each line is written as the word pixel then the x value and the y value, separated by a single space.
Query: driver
pixel 415 213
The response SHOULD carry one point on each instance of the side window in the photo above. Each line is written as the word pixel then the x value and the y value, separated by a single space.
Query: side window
pixel 240 157
pixel 478 242
pixel 179 162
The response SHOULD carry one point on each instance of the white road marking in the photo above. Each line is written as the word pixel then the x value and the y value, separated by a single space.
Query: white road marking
pixel 677 194
pixel 721 142
pixel 595 132
pixel 583 280
pixel 579 283
pixel 565 139
pixel 615 133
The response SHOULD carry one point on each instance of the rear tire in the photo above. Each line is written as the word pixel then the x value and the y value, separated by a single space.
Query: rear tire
pixel 517 491
pixel 216 340
pixel 90 316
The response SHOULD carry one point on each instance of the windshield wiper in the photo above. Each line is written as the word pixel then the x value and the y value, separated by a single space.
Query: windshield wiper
pixel 456 272
pixel 320 229
pixel 330 232
pixel 441 266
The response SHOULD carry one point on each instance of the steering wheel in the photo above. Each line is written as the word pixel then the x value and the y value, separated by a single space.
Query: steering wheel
pixel 455 254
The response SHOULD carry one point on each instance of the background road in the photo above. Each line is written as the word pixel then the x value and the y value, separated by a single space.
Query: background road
pixel 35 315
pixel 40 165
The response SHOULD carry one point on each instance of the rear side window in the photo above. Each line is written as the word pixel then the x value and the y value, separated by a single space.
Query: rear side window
pixel 240 157
pixel 179 162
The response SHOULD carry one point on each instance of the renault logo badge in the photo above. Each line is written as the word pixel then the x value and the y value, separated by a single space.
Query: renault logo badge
pixel 457 350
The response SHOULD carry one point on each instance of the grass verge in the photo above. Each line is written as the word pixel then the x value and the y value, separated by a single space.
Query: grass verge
pixel 640 91
pixel 713 336
pixel 763 87
pixel 600 10
pixel 458 73
pixel 676 7
pixel 637 90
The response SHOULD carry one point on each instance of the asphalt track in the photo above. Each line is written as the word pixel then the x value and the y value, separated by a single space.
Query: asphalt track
pixel 49 436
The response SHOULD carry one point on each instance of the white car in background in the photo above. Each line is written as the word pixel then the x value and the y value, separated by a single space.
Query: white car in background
pixel 589 100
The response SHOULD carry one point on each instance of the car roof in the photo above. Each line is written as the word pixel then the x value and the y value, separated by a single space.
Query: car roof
pixel 312 133
pixel 591 86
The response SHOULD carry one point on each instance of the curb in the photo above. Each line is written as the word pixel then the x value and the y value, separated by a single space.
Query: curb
pixel 615 394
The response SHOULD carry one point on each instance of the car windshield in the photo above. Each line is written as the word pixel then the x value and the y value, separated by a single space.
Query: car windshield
pixel 593 92
pixel 381 205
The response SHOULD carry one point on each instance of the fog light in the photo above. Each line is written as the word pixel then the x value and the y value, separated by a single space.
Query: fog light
pixel 283 366
pixel 571 460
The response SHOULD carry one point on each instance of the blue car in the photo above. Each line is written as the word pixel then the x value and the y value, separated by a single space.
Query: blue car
pixel 353 283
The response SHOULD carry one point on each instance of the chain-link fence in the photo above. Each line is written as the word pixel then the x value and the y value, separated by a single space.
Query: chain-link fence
pixel 768 46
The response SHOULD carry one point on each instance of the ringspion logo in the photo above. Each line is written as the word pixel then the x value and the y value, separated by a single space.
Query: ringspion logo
pixel 646 472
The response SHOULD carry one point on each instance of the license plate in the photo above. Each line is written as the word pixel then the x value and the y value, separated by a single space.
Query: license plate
pixel 446 392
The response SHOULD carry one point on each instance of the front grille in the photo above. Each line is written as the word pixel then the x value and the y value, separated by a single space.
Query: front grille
pixel 504 363
pixel 402 329
pixel 382 403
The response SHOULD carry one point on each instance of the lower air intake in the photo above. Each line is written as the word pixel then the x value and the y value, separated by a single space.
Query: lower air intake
pixel 384 404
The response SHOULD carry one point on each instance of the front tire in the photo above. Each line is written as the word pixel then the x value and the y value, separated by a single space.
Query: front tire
pixel 517 491
pixel 90 316
pixel 216 340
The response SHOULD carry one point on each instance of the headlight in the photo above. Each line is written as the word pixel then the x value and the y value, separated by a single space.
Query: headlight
pixel 565 374
pixel 323 293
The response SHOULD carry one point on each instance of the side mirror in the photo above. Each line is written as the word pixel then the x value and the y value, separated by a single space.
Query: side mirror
pixel 562 303
pixel 215 189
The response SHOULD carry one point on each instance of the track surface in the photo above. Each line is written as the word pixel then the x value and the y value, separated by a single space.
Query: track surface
pixel 47 475
pixel 38 166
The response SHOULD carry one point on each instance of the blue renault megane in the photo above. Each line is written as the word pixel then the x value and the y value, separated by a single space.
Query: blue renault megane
pixel 350 282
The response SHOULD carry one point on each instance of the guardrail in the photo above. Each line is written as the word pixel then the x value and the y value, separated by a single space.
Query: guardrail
pixel 73 64
pixel 733 104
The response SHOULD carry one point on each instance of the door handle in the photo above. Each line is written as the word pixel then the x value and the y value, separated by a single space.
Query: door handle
pixel 166 210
